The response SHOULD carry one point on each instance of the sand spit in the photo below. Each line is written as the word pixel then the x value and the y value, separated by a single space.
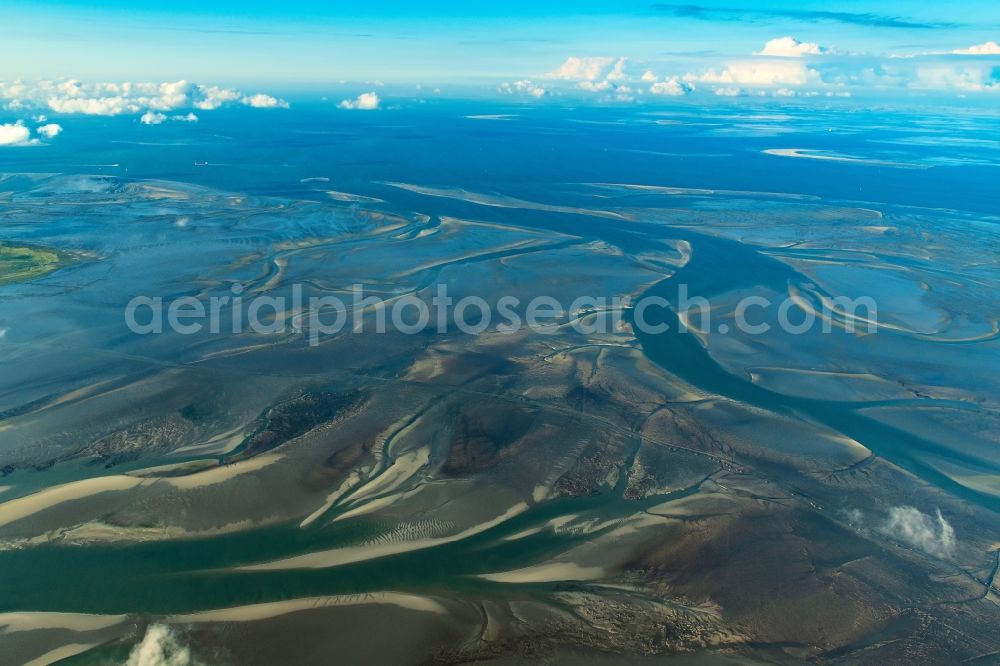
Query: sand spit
pixel 223 473
pixel 60 653
pixel 32 621
pixel 501 201
pixel 22 507
pixel 546 573
pixel 699 192
pixel 492 116
pixel 402 469
pixel 338 556
pixel 347 197
pixel 807 153
pixel 269 610
pixel 377 504
pixel 352 480
pixel 841 319
pixel 98 532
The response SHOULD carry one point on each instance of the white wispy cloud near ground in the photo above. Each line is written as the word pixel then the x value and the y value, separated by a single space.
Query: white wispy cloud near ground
pixel 114 99
pixel 159 647
pixel 789 47
pixel 931 534
pixel 368 101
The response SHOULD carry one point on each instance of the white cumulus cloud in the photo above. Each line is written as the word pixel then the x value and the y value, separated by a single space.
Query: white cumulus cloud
pixel 617 72
pixel 986 48
pixel 672 87
pixel 209 98
pixel 778 73
pixel 789 47
pixel 583 69
pixel 14 134
pixel 112 99
pixel 93 106
pixel 727 92
pixel 365 101
pixel 262 101
pixel 152 118
pixel 49 131
pixel 523 87
pixel 649 76
pixel 964 78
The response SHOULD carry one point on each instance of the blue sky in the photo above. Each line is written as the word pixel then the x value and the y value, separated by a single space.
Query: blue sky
pixel 196 56
pixel 443 40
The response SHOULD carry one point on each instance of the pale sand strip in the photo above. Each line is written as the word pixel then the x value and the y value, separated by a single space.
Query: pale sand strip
pixel 272 609
pixel 499 200
pixel 403 468
pixel 859 450
pixel 22 507
pixel 376 504
pixel 352 198
pixel 222 473
pixel 220 444
pixel 338 556
pixel 546 573
pixel 352 480
pixel 11 623
pixel 694 191
pixel 863 323
pixel 817 155
pixel 556 524
pixel 60 653
pixel 94 531
pixel 492 116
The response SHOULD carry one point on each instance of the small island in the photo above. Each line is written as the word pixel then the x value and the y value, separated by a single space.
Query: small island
pixel 21 263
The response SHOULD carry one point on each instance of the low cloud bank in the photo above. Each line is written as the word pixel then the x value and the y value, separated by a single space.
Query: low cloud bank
pixel 114 99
